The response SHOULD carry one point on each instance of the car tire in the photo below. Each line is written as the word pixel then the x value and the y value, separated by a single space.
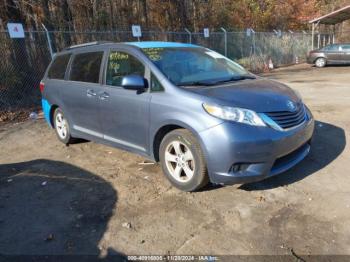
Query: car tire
pixel 183 161
pixel 320 62
pixel 62 127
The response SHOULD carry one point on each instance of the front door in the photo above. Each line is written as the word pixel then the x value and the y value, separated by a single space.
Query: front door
pixel 124 113
pixel 333 54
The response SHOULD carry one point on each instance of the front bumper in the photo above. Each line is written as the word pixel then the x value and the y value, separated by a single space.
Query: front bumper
pixel 239 153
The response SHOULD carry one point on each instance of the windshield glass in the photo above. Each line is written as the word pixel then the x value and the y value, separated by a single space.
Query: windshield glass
pixel 195 66
pixel 330 48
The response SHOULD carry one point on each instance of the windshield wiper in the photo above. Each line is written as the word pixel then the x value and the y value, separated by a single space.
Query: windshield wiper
pixel 212 83
pixel 196 83
pixel 237 78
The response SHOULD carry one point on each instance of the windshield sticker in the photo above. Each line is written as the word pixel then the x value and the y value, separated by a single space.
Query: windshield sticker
pixel 115 60
pixel 118 56
pixel 154 53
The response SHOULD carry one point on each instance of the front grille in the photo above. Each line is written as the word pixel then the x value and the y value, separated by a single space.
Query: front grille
pixel 286 119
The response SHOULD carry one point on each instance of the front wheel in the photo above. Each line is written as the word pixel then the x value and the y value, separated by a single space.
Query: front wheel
pixel 320 62
pixel 183 161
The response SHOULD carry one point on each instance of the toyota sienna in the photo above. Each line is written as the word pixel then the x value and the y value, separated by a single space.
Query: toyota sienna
pixel 201 115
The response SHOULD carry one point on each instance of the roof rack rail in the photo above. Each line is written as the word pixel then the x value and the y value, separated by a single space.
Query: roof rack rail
pixel 88 44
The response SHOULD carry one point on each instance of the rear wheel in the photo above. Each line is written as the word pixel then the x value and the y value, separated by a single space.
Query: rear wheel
pixel 183 161
pixel 320 62
pixel 62 127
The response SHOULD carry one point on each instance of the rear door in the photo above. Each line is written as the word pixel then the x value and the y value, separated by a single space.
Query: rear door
pixel 54 82
pixel 80 95
pixel 125 113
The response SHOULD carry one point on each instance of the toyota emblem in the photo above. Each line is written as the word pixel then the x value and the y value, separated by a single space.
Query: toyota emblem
pixel 291 106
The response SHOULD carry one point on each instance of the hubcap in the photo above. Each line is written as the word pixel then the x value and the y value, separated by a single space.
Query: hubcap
pixel 61 126
pixel 320 62
pixel 179 161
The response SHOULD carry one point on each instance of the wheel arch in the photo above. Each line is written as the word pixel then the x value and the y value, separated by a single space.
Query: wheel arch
pixel 163 130
pixel 52 112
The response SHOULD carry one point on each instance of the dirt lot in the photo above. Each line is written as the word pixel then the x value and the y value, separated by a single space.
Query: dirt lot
pixel 89 198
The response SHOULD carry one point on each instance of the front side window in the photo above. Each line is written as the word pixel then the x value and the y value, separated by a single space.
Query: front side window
pixel 121 64
pixel 194 65
pixel 58 67
pixel 86 67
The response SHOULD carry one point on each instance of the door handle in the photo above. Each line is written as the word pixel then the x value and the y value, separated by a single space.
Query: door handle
pixel 90 93
pixel 104 95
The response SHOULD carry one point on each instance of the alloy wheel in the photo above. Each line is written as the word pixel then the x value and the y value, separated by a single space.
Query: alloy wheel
pixel 179 161
pixel 61 125
pixel 320 62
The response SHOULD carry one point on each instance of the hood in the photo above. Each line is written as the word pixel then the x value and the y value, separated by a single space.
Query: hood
pixel 260 95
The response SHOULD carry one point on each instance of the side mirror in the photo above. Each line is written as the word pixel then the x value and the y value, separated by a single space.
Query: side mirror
pixel 134 82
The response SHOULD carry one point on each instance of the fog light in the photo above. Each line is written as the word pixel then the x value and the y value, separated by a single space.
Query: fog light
pixel 238 167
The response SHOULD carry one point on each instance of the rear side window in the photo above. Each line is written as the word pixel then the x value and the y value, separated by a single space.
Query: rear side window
pixel 121 64
pixel 58 67
pixel 86 67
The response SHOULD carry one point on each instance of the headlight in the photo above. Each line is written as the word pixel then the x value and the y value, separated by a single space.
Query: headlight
pixel 236 114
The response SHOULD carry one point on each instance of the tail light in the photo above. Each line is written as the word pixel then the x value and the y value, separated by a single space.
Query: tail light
pixel 42 86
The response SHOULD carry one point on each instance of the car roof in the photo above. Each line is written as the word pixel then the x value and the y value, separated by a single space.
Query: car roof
pixel 143 44
pixel 159 44
pixel 96 46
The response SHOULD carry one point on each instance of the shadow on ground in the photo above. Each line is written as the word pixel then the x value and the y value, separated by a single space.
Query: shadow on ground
pixel 328 143
pixel 53 208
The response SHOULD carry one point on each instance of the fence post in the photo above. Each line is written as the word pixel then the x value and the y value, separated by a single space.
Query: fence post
pixel 190 35
pixel 254 42
pixel 48 40
pixel 225 39
pixel 295 56
pixel 313 37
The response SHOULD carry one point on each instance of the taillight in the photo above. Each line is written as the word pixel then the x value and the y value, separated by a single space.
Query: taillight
pixel 42 86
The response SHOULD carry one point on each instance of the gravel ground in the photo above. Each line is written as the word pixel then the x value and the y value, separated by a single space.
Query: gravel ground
pixel 93 199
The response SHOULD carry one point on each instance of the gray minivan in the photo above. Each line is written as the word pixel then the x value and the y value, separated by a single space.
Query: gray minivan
pixel 203 116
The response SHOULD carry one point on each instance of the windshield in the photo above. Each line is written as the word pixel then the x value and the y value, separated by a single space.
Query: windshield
pixel 330 48
pixel 195 66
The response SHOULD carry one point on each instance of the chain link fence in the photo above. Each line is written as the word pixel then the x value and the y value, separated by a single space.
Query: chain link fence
pixel 23 61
